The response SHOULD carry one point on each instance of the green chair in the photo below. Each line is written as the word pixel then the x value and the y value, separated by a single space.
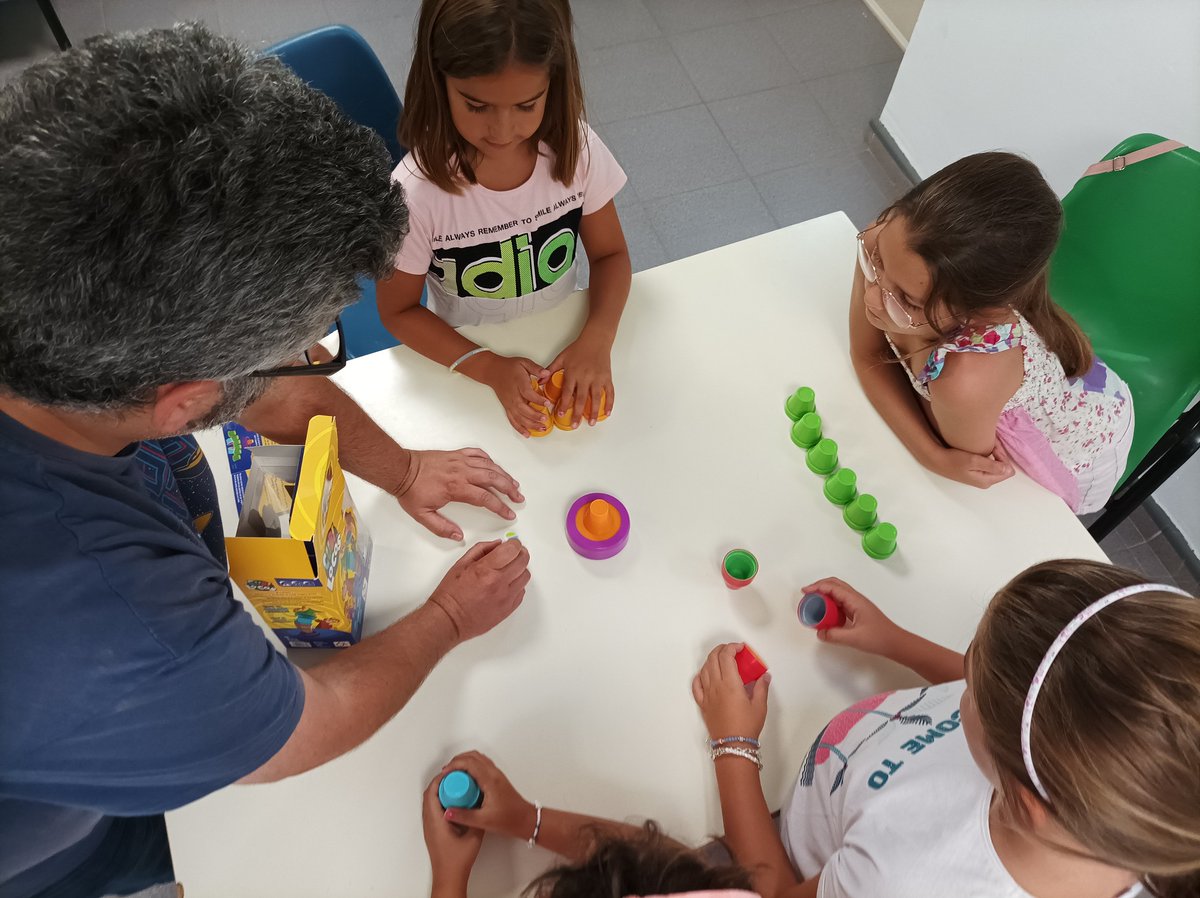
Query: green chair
pixel 1128 269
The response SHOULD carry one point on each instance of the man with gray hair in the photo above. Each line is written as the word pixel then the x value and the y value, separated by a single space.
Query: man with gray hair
pixel 179 221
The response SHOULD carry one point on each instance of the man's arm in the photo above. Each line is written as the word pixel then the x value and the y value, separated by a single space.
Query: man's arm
pixel 360 689
pixel 423 481
pixel 355 693
pixel 282 415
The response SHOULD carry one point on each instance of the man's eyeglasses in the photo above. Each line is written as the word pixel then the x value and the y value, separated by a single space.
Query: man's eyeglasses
pixel 327 357
pixel 891 303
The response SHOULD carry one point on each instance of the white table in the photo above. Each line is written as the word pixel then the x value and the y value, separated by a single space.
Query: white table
pixel 582 696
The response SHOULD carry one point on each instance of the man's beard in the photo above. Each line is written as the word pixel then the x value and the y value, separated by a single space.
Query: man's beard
pixel 237 394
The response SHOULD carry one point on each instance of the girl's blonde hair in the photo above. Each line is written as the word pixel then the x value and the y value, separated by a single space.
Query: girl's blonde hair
pixel 469 38
pixel 1116 728
pixel 987 226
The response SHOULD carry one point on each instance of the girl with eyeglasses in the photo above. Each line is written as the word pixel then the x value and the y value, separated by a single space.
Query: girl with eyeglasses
pixel 950 295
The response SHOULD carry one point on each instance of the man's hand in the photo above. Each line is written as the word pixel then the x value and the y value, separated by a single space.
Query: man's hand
pixel 483 587
pixel 437 478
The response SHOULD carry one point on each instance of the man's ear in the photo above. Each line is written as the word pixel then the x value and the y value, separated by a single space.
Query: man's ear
pixel 176 406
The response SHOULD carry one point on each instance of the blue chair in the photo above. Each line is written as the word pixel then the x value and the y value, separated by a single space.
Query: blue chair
pixel 337 61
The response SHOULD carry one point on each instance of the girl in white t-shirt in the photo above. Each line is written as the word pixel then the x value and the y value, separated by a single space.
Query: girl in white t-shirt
pixel 1067 765
pixel 503 180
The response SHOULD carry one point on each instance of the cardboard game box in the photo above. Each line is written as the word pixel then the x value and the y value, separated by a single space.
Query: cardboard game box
pixel 301 553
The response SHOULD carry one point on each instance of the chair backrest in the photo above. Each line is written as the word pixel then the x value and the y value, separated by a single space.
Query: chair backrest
pixel 1128 269
pixel 337 61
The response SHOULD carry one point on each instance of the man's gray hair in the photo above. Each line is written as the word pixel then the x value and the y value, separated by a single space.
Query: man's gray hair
pixel 173 208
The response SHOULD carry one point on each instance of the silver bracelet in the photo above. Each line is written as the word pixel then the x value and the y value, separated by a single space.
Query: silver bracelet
pixel 537 825
pixel 725 740
pixel 748 754
pixel 466 355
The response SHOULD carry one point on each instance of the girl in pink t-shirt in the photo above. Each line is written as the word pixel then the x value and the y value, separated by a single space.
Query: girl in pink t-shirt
pixel 503 180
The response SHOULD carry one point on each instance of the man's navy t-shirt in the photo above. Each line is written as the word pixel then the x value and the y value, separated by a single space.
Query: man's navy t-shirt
pixel 131 680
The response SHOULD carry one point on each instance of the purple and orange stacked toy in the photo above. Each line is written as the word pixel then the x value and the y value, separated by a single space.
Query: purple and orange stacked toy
pixel 597 525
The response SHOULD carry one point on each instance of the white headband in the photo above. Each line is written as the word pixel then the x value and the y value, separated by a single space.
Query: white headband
pixel 1051 653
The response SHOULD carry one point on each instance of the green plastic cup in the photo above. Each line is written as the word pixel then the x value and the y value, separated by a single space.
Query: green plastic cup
pixel 842 487
pixel 862 513
pixel 800 403
pixel 822 458
pixel 738 568
pixel 807 431
pixel 880 541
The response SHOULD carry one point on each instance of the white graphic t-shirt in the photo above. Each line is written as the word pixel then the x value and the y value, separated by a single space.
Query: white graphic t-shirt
pixel 490 255
pixel 890 803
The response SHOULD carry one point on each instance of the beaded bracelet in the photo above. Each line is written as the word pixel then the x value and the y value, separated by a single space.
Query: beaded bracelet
pixel 453 366
pixel 749 755
pixel 537 824
pixel 725 740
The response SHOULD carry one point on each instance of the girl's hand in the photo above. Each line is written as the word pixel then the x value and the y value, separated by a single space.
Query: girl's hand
pixel 452 848
pixel 728 706
pixel 503 810
pixel 512 380
pixel 866 628
pixel 587 375
pixel 974 470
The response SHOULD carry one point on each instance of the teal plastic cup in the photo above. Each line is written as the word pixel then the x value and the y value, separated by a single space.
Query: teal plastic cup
pixel 458 789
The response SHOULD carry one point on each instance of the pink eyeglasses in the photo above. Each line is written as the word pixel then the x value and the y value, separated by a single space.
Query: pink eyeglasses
pixel 891 303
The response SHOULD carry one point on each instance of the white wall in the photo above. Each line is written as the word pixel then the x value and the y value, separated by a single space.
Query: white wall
pixel 899 17
pixel 1061 81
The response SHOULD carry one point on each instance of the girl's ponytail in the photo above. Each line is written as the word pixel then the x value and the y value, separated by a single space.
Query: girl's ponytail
pixel 1058 330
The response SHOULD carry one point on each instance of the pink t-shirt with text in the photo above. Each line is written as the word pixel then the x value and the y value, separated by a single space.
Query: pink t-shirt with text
pixel 490 255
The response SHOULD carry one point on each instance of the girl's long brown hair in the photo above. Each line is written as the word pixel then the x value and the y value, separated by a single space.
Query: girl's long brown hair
pixel 1116 728
pixel 986 226
pixel 468 38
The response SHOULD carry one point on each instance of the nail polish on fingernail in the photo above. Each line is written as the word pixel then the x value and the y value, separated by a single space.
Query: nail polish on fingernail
pixel 449 815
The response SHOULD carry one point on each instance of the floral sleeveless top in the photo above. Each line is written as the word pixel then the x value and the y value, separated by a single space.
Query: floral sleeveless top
pixel 1070 434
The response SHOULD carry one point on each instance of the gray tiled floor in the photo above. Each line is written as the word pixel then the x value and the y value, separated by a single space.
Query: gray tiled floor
pixel 691 95
pixel 731 117
pixel 1140 544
